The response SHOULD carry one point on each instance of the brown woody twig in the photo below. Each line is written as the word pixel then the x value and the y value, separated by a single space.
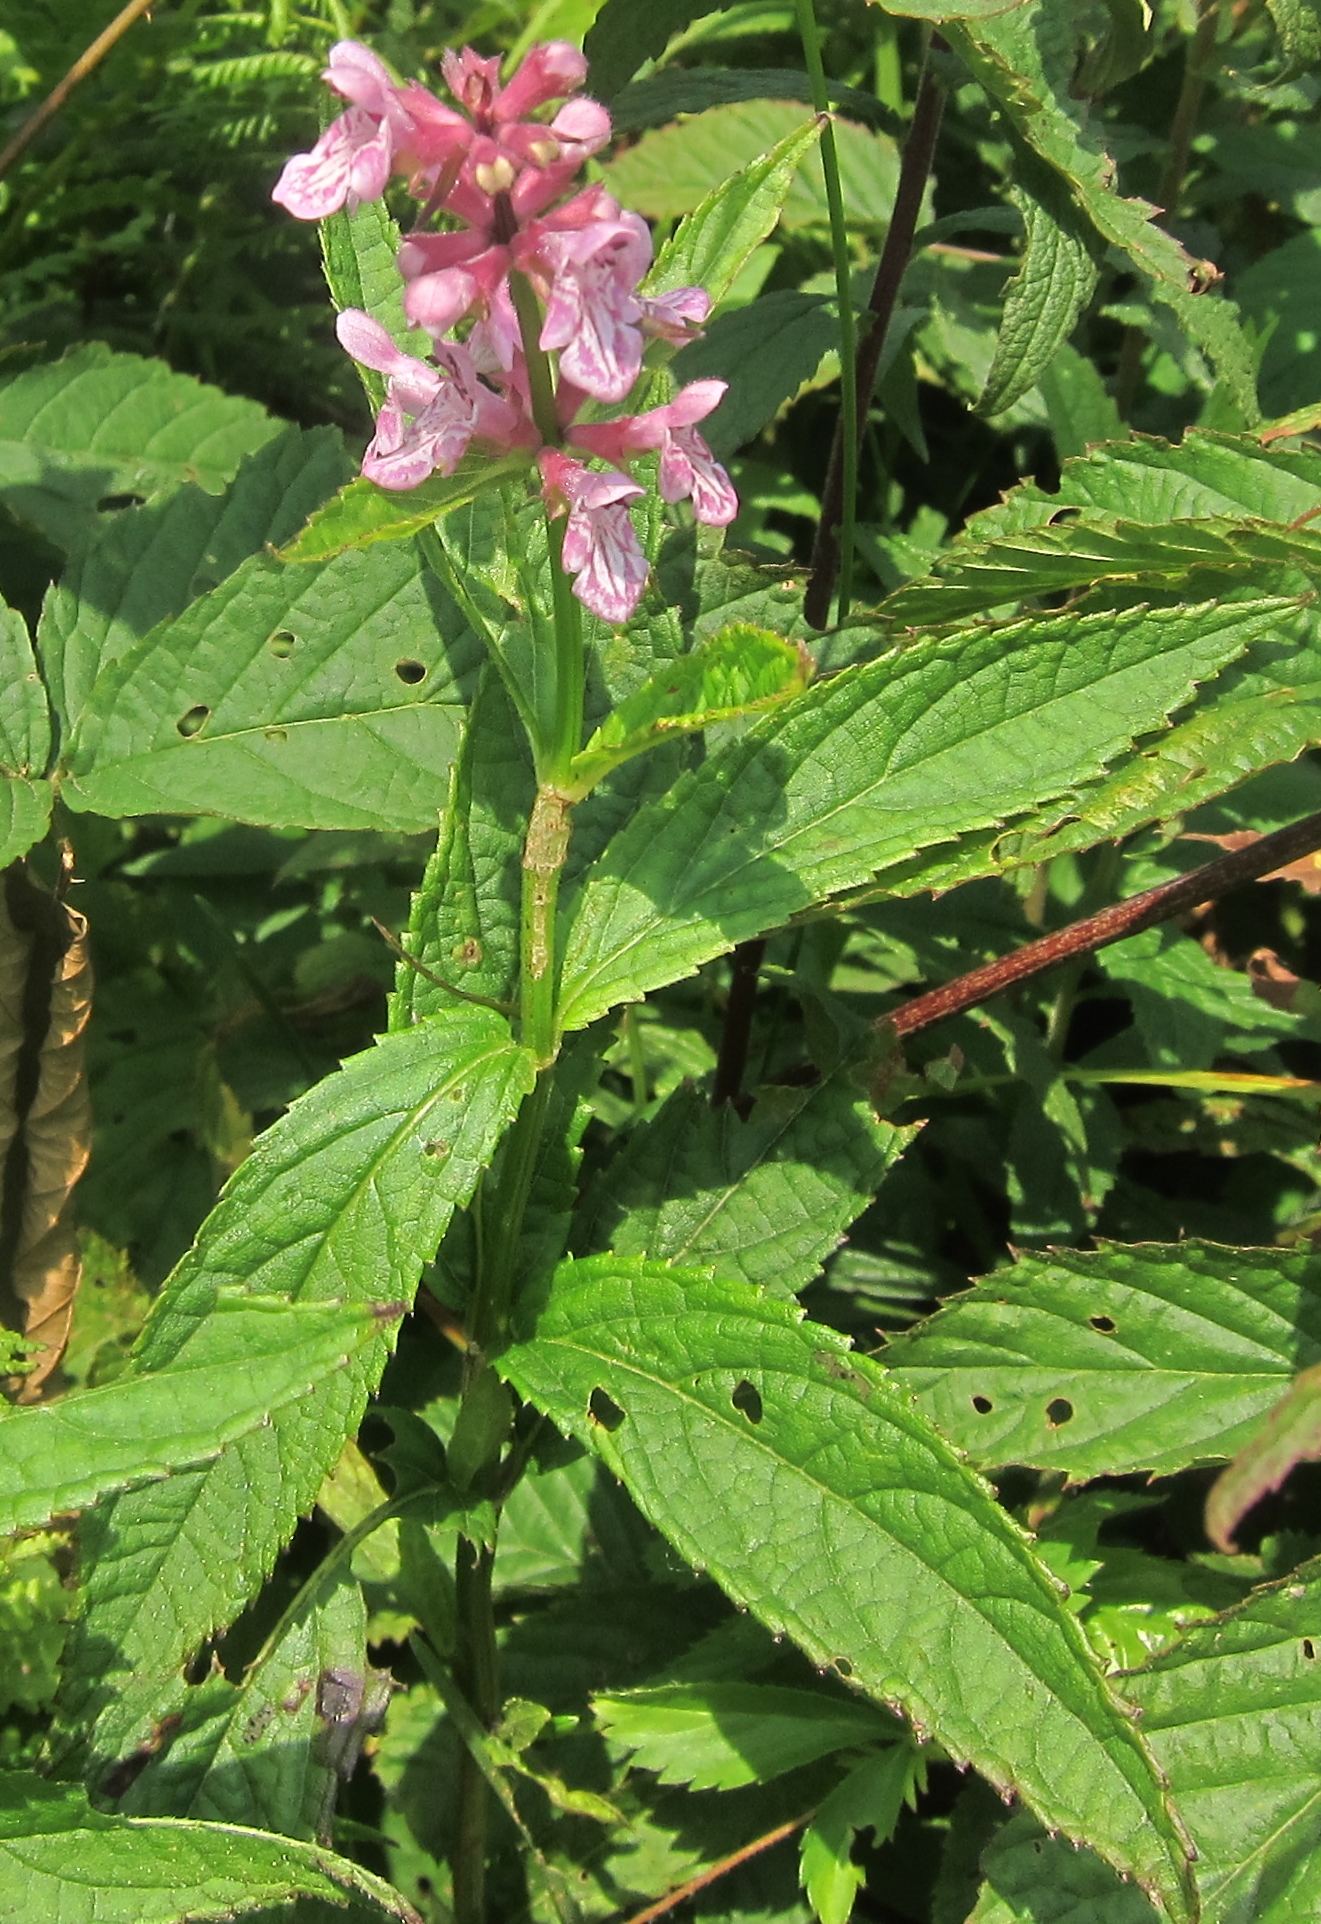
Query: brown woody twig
pixel 719 1869
pixel 82 66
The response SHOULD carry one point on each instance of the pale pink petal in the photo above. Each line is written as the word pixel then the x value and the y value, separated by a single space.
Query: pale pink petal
pixel 677 316
pixel 547 72
pixel 601 547
pixel 355 72
pixel 688 467
pixel 413 383
pixel 350 163
pixel 582 125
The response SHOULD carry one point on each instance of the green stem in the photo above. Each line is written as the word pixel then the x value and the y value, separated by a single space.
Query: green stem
pixel 540 375
pixel 478 1678
pixel 839 248
pixel 570 675
pixel 504 1211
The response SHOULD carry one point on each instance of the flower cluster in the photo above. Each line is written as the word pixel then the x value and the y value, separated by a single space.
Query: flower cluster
pixel 505 179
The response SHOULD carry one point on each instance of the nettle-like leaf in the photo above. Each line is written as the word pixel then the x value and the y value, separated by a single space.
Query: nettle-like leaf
pixel 146 564
pixel 1113 1360
pixel 1026 60
pixel 360 255
pixel 1187 1009
pixel 626 34
pixel 344 1199
pixel 870 1798
pixel 1028 1873
pixel 364 513
pixel 741 671
pixel 1055 280
pixel 764 351
pixel 691 1387
pixel 717 1736
pixel 676 170
pixel 60 1858
pixel 328 696
pixel 252 1356
pixel 764 1198
pixel 712 245
pixel 1290 1435
pixel 1231 1713
pixel 97 424
pixel 672 91
pixel 261 1753
pixel 25 741
pixel 947 736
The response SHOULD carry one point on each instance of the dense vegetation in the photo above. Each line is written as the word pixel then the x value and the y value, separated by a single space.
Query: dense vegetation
pixel 546 1480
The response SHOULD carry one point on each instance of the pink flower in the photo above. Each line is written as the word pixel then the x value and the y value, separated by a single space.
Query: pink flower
pixel 677 316
pixel 447 275
pixel 430 413
pixel 592 309
pixel 601 546
pixel 687 466
pixel 354 157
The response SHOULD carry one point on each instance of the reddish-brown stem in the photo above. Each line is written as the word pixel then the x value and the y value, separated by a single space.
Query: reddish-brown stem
pixel 736 1030
pixel 80 69
pixel 720 1868
pixel 895 254
pixel 1108 925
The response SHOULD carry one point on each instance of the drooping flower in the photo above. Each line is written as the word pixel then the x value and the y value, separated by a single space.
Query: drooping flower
pixel 688 469
pixel 601 546
pixel 355 156
pixel 430 413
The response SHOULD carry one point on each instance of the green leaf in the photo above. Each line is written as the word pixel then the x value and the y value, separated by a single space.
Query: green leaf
pixel 1290 1435
pixel 251 1357
pixel 345 1197
pixel 764 1198
pixel 329 697
pixel 359 253
pixel 680 169
pixel 628 33
pixel 1030 1876
pixel 870 1798
pixel 691 1388
pixel 25 741
pixel 1054 282
pixel 1298 24
pixel 1027 61
pixel 713 244
pixel 1115 1360
pixel 673 91
pixel 59 1858
pixel 260 1754
pixel 1078 403
pixel 363 513
pixel 147 564
pixel 1280 290
pixel 463 925
pixel 933 741
pixel 98 424
pixel 717 1736
pixel 765 351
pixel 1187 1008
pixel 741 671
pixel 1231 1712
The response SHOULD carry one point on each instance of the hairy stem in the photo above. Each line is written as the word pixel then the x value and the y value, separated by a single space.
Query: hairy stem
pixel 1198 56
pixel 914 167
pixel 810 36
pixel 476 1673
pixel 1108 925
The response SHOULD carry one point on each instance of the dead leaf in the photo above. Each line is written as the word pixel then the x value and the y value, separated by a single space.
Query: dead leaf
pixel 45 1114
pixel 1306 870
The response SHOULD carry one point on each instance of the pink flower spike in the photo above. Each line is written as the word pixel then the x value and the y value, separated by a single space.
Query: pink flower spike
pixel 601 547
pixel 413 384
pixel 474 82
pixel 592 312
pixel 355 72
pixel 350 163
pixel 548 72
pixel 687 466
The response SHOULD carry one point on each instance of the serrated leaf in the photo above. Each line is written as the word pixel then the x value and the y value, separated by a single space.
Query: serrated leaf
pixel 345 1197
pixel 359 252
pixel 98 424
pixel 672 91
pixel 870 1798
pixel 765 1198
pixel 680 169
pixel 59 1858
pixel 920 747
pixel 765 351
pixel 1231 1712
pixel 362 513
pixel 1055 280
pixel 1115 1360
pixel 250 1358
pixel 328 696
pixel 1299 26
pixel 1279 291
pixel 717 1736
pixel 1026 60
pixel 740 671
pixel 1187 1009
pixel 1029 1875
pixel 148 563
pixel 25 741
pixel 713 244
pixel 259 1753
pixel 1290 1435
pixel 690 1387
